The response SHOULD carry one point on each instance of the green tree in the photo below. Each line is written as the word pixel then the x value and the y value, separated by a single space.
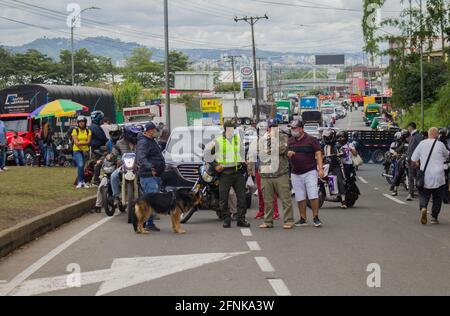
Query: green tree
pixel 228 87
pixel 33 67
pixel 178 61
pixel 88 67
pixel 127 94
pixel 192 102
pixel 140 68
pixel 6 67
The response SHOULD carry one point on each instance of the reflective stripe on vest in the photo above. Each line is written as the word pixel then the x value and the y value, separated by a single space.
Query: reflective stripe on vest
pixel 227 153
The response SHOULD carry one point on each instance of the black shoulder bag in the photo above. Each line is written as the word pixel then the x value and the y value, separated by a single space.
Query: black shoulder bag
pixel 420 181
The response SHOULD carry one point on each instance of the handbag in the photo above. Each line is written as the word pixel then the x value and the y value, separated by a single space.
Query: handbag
pixel 357 161
pixel 420 179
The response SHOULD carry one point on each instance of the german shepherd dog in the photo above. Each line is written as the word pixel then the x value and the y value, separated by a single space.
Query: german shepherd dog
pixel 171 203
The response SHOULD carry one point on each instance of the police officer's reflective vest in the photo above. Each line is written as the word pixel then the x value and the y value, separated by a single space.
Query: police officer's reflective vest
pixel 228 154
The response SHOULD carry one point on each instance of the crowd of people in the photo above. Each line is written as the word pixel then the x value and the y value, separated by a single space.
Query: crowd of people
pixel 281 163
pixel 424 157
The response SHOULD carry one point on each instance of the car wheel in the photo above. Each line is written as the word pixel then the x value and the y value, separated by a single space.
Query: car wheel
pixel 378 157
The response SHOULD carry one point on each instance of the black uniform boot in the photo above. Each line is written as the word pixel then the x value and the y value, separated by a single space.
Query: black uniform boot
pixel 227 222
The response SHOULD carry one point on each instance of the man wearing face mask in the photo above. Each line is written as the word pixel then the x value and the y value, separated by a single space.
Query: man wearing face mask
pixel 229 157
pixel 306 158
pixel 151 164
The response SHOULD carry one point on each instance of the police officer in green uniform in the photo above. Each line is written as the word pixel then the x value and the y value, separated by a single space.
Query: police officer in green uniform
pixel 229 163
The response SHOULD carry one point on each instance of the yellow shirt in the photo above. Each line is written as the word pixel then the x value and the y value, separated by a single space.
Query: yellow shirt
pixel 83 136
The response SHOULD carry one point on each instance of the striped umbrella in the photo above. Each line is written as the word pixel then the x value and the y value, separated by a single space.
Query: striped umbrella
pixel 58 108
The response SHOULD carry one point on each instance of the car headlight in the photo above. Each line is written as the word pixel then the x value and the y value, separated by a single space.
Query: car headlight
pixel 129 162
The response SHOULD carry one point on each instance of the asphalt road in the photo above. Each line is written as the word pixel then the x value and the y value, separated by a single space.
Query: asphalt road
pixel 412 259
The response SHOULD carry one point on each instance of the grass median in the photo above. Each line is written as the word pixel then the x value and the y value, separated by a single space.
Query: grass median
pixel 27 192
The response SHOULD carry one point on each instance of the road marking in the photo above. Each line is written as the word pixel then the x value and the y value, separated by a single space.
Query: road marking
pixel 246 232
pixel 279 287
pixel 6 289
pixel 264 264
pixel 124 273
pixel 253 245
pixel 363 180
pixel 395 200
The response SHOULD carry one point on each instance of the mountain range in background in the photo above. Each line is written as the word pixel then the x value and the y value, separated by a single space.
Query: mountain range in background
pixel 118 50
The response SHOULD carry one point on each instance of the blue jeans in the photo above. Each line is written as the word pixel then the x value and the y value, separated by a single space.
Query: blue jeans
pixel 150 185
pixel 115 182
pixel 49 155
pixel 2 157
pixel 78 160
pixel 19 157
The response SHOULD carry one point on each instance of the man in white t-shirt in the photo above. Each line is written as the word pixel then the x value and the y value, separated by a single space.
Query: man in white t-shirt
pixel 434 175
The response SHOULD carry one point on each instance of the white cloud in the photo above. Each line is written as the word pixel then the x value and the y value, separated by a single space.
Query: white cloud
pixel 198 23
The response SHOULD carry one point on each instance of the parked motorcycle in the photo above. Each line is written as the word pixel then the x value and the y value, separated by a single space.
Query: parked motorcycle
pixel 329 190
pixel 64 154
pixel 207 187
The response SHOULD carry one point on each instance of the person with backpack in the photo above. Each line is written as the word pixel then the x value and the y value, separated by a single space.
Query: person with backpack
pixel 81 136
pixel 430 157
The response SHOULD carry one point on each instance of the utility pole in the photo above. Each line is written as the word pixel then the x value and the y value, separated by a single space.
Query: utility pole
pixel 232 60
pixel 72 30
pixel 167 69
pixel 252 21
pixel 421 68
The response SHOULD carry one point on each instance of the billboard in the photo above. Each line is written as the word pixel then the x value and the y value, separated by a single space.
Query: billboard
pixel 322 60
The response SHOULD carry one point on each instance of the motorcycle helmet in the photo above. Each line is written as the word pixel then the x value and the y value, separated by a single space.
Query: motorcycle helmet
pixel 97 117
pixel 398 136
pixel 81 118
pixel 131 133
pixel 342 137
pixel 115 133
pixel 329 137
pixel 405 134
pixel 444 134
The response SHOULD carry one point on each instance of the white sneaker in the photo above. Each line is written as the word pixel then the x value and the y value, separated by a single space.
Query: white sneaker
pixel 86 186
pixel 1 170
pixel 5 169
pixel 79 186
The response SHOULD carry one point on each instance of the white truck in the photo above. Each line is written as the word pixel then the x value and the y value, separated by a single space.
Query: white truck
pixel 244 110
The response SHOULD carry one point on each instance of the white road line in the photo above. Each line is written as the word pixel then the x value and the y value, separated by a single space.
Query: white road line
pixel 246 232
pixel 6 289
pixel 395 200
pixel 280 287
pixel 264 264
pixel 253 245
pixel 363 180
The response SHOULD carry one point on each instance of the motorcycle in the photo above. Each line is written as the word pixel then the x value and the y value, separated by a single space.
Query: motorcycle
pixel 64 154
pixel 108 199
pixel 390 169
pixel 329 191
pixel 207 187
pixel 129 183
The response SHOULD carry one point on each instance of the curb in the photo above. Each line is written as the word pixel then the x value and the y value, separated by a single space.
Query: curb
pixel 25 232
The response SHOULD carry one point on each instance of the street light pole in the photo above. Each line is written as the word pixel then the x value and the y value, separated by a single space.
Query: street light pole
pixel 72 30
pixel 252 21
pixel 232 60
pixel 167 69
pixel 421 70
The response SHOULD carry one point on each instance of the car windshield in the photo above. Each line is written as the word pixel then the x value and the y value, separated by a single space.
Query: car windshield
pixel 328 111
pixel 189 141
pixel 16 125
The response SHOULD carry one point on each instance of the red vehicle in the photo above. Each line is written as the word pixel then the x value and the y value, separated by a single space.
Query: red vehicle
pixel 24 126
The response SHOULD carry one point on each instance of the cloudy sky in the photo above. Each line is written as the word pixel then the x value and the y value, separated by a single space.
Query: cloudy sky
pixel 293 25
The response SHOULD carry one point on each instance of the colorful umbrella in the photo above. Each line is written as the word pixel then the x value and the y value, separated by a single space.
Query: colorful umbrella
pixel 59 108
